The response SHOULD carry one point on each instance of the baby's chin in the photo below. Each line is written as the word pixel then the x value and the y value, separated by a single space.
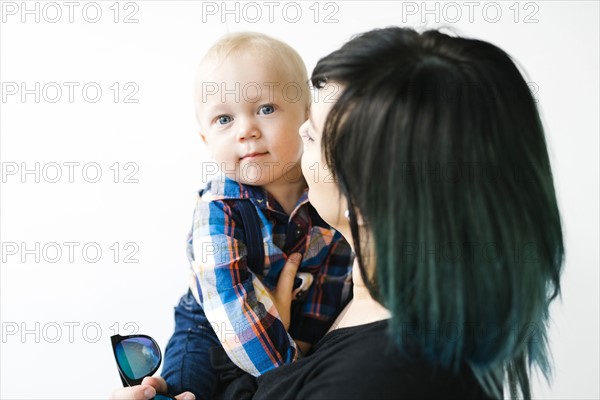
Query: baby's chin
pixel 259 174
pixel 251 178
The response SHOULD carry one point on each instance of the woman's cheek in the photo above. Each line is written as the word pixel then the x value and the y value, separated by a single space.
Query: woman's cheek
pixel 305 163
pixel 304 169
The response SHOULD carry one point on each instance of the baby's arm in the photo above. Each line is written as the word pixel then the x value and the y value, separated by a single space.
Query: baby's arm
pixel 234 300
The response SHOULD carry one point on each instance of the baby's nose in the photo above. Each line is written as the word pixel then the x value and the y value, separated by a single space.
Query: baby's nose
pixel 248 129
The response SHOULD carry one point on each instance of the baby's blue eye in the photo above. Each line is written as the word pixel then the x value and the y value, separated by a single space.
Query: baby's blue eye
pixel 268 109
pixel 223 119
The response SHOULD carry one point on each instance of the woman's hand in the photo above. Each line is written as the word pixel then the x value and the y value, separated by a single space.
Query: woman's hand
pixel 304 346
pixel 282 294
pixel 147 390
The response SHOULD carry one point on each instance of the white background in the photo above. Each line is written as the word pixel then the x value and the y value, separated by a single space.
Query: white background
pixel 57 317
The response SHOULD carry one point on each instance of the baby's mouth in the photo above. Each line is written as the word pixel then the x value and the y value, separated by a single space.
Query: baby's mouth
pixel 254 155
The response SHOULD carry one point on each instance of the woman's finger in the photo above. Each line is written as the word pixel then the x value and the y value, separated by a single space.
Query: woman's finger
pixel 285 284
pixel 157 382
pixel 282 295
pixel 147 390
pixel 139 392
pixel 186 396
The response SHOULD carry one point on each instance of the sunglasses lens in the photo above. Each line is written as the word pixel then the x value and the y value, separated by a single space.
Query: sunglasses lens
pixel 137 357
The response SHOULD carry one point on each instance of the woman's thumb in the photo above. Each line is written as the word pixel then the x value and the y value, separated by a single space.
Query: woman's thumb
pixel 288 273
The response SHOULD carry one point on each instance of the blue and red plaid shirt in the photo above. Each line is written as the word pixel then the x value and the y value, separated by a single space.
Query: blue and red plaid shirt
pixel 234 298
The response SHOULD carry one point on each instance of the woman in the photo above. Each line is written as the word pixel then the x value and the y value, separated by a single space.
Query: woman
pixel 444 187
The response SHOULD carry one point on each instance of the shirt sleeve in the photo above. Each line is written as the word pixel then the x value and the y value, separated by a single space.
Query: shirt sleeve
pixel 234 300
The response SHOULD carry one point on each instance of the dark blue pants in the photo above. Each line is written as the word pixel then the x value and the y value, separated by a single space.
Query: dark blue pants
pixel 187 356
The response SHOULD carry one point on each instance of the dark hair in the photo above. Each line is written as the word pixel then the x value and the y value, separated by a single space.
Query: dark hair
pixel 436 141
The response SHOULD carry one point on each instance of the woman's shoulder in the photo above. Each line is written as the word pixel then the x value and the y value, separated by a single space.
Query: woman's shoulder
pixel 362 362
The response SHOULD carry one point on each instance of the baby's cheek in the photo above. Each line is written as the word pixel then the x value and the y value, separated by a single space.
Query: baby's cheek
pixel 292 148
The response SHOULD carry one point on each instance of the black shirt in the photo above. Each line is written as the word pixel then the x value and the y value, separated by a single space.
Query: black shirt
pixel 358 362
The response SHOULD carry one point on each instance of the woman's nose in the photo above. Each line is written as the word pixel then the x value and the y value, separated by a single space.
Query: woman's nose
pixel 303 128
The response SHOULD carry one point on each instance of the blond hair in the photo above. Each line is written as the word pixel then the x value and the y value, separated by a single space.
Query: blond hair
pixel 285 58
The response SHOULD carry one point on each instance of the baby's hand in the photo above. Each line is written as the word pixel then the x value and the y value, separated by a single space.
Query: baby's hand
pixel 147 390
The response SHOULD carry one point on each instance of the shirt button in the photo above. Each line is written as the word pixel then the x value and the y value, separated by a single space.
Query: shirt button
pixel 299 232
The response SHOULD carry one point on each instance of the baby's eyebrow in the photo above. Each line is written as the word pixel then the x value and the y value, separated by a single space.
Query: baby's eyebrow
pixel 220 108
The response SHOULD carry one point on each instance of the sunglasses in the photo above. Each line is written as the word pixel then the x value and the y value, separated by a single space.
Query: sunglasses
pixel 138 356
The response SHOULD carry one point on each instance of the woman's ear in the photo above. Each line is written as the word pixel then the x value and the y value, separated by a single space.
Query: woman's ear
pixel 359 219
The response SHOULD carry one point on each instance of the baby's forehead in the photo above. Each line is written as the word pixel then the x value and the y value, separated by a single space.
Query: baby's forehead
pixel 259 61
pixel 250 77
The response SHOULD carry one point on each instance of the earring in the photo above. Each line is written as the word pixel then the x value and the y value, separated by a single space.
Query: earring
pixel 347 214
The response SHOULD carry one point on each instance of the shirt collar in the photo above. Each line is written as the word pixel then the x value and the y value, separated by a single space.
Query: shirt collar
pixel 223 188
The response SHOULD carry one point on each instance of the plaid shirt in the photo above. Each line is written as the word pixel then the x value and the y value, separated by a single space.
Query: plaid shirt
pixel 234 298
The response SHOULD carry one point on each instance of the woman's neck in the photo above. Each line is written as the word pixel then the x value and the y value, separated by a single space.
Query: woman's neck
pixel 362 309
